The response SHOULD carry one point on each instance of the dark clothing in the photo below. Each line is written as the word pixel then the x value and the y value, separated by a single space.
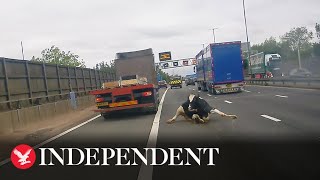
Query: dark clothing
pixel 203 108
pixel 185 106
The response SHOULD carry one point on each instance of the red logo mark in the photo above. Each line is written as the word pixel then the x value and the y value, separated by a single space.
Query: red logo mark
pixel 23 156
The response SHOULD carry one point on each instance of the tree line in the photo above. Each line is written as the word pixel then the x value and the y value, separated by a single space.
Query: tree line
pixel 55 55
pixel 288 44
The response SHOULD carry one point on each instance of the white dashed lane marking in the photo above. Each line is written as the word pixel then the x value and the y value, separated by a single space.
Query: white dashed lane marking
pixel 271 118
pixel 229 102
pixel 282 96
pixel 246 91
pixel 209 95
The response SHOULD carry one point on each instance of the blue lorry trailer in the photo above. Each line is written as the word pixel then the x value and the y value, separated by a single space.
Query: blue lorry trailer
pixel 219 68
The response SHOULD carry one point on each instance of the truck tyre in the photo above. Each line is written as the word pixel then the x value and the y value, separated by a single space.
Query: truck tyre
pixel 213 91
pixel 199 88
pixel 105 115
pixel 154 110
pixel 209 88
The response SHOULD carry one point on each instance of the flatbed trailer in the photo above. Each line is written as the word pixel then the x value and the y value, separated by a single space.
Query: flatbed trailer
pixel 135 87
pixel 137 96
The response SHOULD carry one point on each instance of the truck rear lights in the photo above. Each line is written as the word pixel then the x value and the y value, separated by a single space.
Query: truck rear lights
pixel 148 93
pixel 99 99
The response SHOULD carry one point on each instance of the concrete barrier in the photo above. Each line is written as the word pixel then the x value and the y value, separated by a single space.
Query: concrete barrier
pixel 11 121
pixel 310 83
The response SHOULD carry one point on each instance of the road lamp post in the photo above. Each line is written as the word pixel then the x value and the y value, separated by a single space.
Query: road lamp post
pixel 214 35
pixel 299 57
pixel 297 44
pixel 245 23
pixel 22 50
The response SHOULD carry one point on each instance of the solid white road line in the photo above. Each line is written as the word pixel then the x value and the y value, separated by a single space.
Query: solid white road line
pixel 209 95
pixel 229 102
pixel 246 91
pixel 55 137
pixel 282 96
pixel 146 170
pixel 271 118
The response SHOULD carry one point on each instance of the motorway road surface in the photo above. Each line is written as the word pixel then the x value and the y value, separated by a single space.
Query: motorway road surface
pixel 276 135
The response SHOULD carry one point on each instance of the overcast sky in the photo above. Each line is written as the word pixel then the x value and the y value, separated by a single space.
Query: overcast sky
pixel 97 29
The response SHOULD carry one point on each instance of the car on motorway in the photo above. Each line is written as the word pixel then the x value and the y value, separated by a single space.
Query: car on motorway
pixel 297 73
pixel 190 81
pixel 162 84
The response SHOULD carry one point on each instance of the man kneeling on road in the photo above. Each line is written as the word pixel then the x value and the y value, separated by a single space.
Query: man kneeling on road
pixel 196 109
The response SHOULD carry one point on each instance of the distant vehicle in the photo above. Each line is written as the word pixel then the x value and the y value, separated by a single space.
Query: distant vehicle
pixel 190 79
pixel 175 82
pixel 219 68
pixel 136 87
pixel 265 65
pixel 300 73
pixel 162 84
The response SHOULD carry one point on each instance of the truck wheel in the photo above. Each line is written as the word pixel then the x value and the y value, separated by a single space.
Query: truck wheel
pixel 105 115
pixel 154 110
pixel 208 88
pixel 199 88
pixel 181 86
pixel 213 91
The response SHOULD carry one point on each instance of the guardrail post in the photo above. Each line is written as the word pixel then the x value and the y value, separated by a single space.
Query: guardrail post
pixel 90 79
pixel 84 81
pixel 99 73
pixel 95 78
pixel 69 77
pixel 59 81
pixel 29 82
pixel 45 80
pixel 6 82
pixel 75 72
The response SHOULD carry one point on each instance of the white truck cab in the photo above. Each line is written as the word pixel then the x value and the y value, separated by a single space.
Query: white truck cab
pixel 271 57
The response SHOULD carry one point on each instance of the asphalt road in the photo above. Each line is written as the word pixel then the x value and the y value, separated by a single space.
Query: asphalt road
pixel 276 135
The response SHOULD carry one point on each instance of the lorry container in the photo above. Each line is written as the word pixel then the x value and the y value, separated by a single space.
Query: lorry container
pixel 265 65
pixel 219 68
pixel 135 86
